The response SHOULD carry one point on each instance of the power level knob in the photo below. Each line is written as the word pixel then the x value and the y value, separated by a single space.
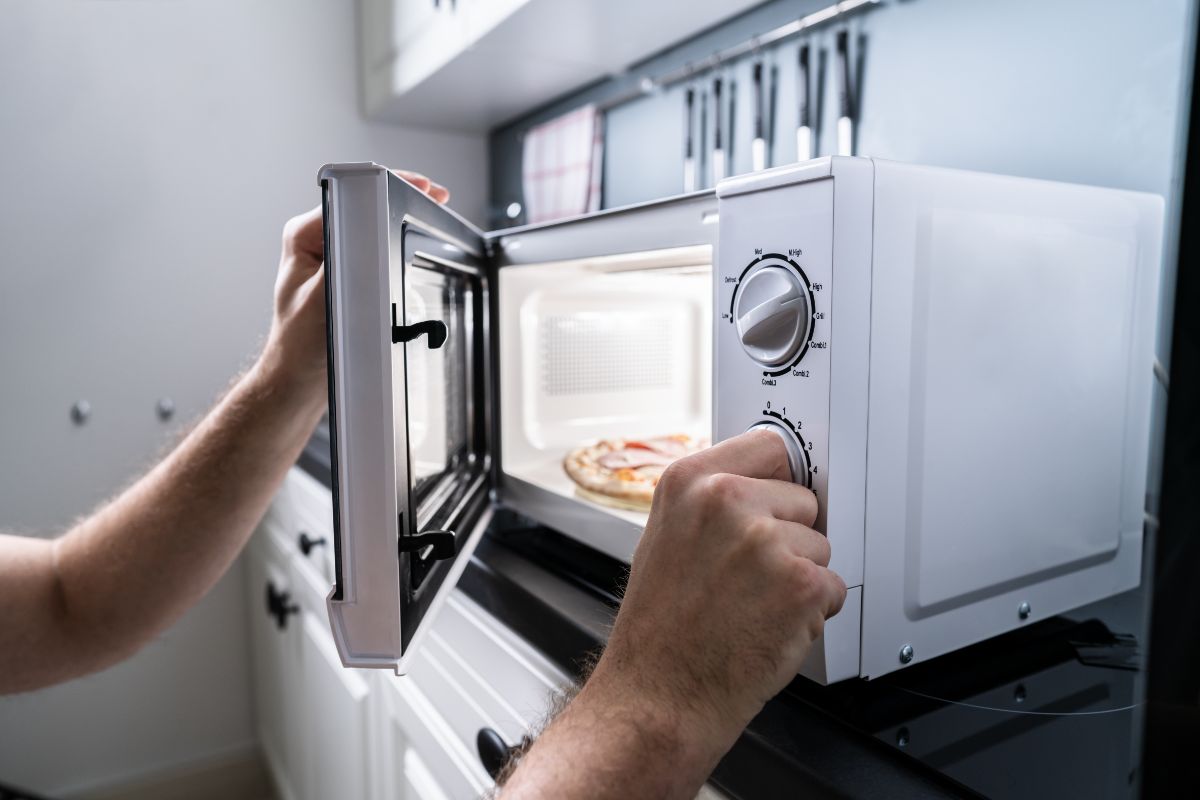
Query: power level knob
pixel 794 456
pixel 772 314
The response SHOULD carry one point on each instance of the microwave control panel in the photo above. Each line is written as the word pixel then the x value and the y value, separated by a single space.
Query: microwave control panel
pixel 773 283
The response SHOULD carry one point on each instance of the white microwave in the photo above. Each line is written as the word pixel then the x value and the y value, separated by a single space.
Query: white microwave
pixel 960 364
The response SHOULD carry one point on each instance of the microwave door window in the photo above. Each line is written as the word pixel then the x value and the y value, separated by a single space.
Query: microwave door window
pixel 438 395
pixel 437 391
pixel 444 447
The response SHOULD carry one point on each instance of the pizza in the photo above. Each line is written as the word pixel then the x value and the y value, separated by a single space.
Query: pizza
pixel 623 472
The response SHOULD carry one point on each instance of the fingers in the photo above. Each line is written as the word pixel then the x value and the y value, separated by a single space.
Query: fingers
pixel 305 234
pixel 833 592
pixel 436 191
pixel 415 178
pixel 784 500
pixel 802 541
pixel 754 454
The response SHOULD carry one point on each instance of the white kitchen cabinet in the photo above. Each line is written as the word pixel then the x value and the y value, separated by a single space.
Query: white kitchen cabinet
pixel 422 756
pixel 275 650
pixel 328 731
pixel 335 725
pixel 472 64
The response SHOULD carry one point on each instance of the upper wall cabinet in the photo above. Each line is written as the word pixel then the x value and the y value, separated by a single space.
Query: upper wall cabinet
pixel 471 64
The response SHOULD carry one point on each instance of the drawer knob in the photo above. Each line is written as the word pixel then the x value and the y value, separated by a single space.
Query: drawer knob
pixel 493 752
pixel 279 605
pixel 307 543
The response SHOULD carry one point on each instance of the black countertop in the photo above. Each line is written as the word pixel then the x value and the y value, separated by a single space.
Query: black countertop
pixel 1046 711
pixel 1049 710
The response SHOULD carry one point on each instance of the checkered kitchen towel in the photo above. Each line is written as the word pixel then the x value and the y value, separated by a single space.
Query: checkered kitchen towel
pixel 561 166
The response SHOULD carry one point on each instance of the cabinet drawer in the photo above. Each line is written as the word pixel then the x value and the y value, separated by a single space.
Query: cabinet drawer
pixel 477 674
pixel 510 678
pixel 462 704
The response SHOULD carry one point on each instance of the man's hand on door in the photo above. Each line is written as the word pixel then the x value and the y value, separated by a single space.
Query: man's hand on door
pixel 294 356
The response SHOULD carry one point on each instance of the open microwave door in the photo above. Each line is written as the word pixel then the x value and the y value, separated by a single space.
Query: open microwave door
pixel 406 297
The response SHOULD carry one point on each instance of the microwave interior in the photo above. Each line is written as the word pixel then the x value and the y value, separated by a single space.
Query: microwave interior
pixel 615 346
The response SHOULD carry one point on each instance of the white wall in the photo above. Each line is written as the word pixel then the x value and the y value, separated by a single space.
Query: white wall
pixel 150 152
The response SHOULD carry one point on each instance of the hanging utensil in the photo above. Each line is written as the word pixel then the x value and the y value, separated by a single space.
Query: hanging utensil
pixel 729 142
pixel 845 123
pixel 689 156
pixel 702 151
pixel 718 154
pixel 772 109
pixel 804 143
pixel 758 148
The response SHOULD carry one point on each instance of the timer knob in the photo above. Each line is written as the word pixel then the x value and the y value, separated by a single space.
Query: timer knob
pixel 771 313
pixel 794 456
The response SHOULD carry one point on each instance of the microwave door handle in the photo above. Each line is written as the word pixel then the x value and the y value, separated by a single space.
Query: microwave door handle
pixel 435 329
pixel 444 544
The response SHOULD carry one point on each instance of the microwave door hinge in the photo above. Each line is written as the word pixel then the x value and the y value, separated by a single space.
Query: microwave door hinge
pixel 444 544
pixel 435 329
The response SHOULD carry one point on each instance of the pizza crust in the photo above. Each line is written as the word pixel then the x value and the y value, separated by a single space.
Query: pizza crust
pixel 613 502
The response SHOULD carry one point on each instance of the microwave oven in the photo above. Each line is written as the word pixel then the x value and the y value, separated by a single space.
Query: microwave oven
pixel 959 364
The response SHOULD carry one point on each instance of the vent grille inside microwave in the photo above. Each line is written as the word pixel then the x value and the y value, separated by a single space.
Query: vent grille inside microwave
pixel 589 353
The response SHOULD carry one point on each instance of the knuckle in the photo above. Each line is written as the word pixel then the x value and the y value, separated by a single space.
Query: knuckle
pixel 723 488
pixel 804 575
pixel 758 531
pixel 675 477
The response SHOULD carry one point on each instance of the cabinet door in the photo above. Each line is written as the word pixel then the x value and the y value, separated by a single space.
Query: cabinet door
pixel 478 17
pixel 422 758
pixel 336 762
pixel 409 393
pixel 388 26
pixel 274 651
pixel 414 17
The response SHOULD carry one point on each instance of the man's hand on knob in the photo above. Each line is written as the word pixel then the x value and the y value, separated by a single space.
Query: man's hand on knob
pixel 729 587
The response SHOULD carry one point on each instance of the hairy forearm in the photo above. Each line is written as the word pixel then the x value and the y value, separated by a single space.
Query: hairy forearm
pixel 615 741
pixel 130 570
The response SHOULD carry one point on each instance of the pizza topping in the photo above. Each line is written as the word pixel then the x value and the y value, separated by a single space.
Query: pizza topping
pixel 651 473
pixel 632 459
pixel 672 447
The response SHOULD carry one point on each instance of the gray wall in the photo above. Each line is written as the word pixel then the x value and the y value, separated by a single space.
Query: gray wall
pixel 151 152
pixel 1074 90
